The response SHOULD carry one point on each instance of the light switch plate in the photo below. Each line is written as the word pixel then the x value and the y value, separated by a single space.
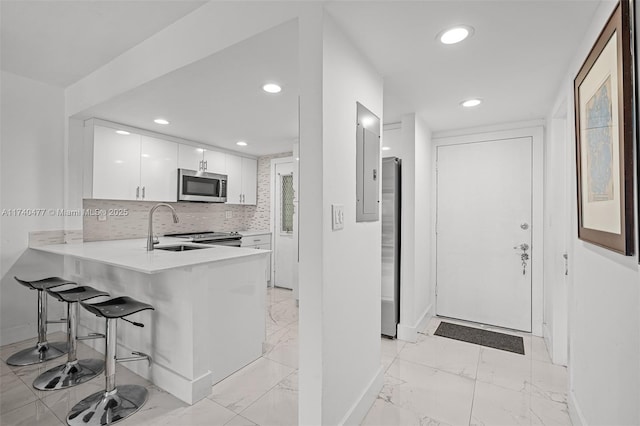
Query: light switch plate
pixel 337 217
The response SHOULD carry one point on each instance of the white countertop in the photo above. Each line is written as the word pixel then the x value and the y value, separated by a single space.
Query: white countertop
pixel 133 254
pixel 253 233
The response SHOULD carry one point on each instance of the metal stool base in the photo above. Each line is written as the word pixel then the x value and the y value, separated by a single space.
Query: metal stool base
pixel 69 374
pixel 38 354
pixel 105 408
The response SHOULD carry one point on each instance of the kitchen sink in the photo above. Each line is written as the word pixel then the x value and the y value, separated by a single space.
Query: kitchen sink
pixel 182 247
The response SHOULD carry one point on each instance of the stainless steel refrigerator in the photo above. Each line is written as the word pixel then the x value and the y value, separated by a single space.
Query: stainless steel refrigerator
pixel 391 198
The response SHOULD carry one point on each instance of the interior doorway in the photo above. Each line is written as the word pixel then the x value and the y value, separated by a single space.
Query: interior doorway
pixel 284 247
pixel 484 232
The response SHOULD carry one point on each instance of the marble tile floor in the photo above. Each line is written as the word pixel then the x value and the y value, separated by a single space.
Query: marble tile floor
pixel 431 382
pixel 440 381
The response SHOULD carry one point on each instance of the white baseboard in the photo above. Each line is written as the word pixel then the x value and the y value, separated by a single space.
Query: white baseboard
pixel 183 388
pixel 548 338
pixel 363 404
pixel 409 333
pixel 25 332
pixel 187 390
pixel 575 413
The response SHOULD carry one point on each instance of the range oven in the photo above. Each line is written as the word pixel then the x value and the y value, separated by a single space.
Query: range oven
pixel 230 239
pixel 201 186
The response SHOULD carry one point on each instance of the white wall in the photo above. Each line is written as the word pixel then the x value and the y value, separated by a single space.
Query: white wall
pixel 410 141
pixel 311 219
pixel 424 296
pixel 351 257
pixel 556 280
pixel 32 157
pixel 604 295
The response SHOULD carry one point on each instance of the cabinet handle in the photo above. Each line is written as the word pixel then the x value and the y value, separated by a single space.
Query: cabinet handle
pixel 240 197
pixel 143 192
pixel 206 165
pixel 200 165
pixel 137 192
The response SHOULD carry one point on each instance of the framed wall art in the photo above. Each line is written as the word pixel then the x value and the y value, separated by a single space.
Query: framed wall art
pixel 604 100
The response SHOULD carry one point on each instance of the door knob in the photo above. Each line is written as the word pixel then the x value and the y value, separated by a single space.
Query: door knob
pixel 524 226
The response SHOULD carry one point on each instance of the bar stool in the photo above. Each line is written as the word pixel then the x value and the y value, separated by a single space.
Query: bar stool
pixel 44 350
pixel 115 402
pixel 74 371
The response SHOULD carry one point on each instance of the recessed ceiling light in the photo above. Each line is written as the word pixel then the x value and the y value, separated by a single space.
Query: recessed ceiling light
pixel 272 88
pixel 386 148
pixel 160 121
pixel 470 103
pixel 455 35
pixel 241 143
pixel 122 132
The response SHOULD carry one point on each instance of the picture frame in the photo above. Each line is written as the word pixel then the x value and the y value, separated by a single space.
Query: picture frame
pixel 605 132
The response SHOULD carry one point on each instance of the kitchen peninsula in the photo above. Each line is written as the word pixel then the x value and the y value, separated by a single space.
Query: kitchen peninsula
pixel 209 317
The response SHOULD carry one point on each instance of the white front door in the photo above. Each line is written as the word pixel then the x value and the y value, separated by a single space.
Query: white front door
pixel 284 249
pixel 484 211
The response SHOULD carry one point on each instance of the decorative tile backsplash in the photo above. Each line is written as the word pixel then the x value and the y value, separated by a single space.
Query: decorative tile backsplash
pixel 133 223
pixel 59 236
pixel 194 217
pixel 260 218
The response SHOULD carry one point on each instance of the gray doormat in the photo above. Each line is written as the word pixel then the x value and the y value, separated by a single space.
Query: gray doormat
pixel 492 339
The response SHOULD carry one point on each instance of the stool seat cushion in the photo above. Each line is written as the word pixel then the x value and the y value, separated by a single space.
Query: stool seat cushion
pixel 117 307
pixel 76 294
pixel 44 283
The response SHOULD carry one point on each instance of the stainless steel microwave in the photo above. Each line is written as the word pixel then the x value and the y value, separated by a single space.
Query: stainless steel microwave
pixel 201 186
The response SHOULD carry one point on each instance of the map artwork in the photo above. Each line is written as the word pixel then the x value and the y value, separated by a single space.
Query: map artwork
pixel 599 137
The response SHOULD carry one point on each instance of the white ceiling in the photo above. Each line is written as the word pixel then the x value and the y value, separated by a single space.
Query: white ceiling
pixel 219 100
pixel 515 62
pixel 59 42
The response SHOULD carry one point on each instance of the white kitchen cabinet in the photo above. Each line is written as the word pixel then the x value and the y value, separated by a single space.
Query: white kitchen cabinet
pixel 258 241
pixel 242 175
pixel 234 179
pixel 249 181
pixel 158 169
pixel 116 165
pixel 215 162
pixel 190 157
pixel 133 167
pixel 200 159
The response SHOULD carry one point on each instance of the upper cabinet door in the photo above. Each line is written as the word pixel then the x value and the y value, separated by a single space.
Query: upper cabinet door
pixel 190 157
pixel 249 180
pixel 116 165
pixel 234 179
pixel 215 162
pixel 158 170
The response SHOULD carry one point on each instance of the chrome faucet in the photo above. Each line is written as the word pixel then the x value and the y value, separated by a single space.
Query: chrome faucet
pixel 150 241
